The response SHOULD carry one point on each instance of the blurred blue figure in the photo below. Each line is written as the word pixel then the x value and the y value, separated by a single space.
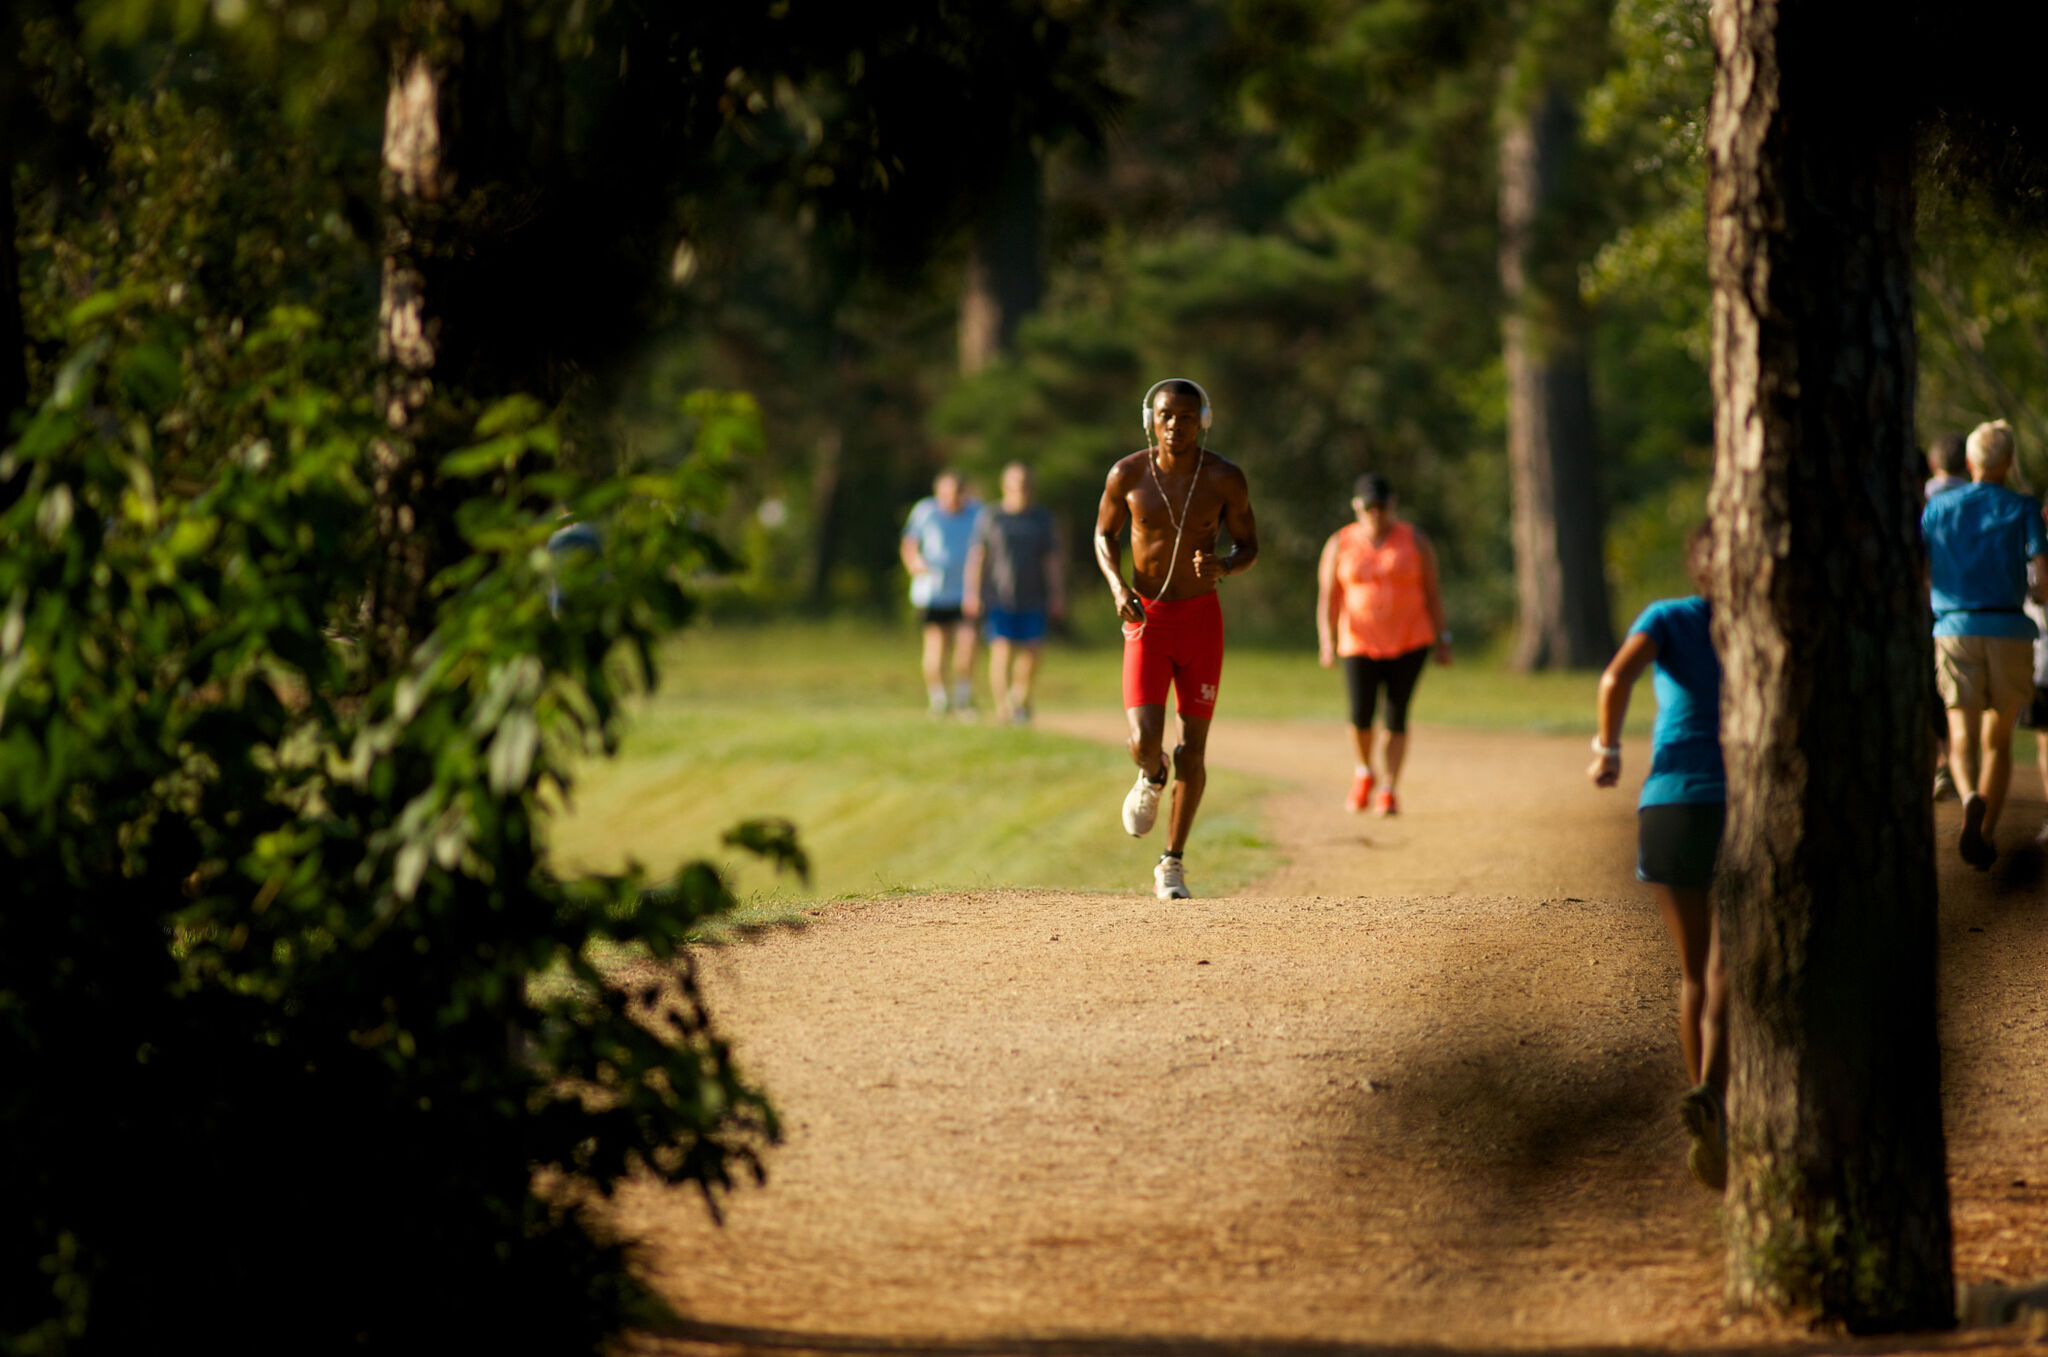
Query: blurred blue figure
pixel 571 537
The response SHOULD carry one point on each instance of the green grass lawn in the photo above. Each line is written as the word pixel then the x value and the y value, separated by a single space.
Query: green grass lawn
pixel 824 724
pixel 845 664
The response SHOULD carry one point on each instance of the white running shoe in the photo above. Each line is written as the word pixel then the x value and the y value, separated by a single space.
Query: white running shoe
pixel 1141 807
pixel 1169 880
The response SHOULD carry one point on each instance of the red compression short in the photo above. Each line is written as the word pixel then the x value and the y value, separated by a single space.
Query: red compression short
pixel 1181 646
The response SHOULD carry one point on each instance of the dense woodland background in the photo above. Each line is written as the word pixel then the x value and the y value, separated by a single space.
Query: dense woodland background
pixel 1308 205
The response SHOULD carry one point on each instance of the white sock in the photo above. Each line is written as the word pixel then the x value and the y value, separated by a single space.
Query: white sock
pixel 938 694
pixel 1361 770
pixel 963 693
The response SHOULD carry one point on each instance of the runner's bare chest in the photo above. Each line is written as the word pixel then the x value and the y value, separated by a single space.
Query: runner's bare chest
pixel 1165 504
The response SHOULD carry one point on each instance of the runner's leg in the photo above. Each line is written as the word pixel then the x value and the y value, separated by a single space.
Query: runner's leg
pixel 1393 753
pixel 1997 763
pixel 935 637
pixel 1688 918
pixel 1148 733
pixel 999 676
pixel 1024 676
pixel 1965 728
pixel 1403 672
pixel 964 637
pixel 1361 685
pixel 1190 779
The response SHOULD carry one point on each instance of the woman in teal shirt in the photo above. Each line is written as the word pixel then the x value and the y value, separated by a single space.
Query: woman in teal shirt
pixel 1679 818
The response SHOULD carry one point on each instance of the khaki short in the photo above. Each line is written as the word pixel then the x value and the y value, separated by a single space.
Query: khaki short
pixel 1984 672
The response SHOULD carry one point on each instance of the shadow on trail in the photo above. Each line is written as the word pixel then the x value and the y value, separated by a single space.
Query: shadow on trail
pixel 1507 1138
pixel 739 1340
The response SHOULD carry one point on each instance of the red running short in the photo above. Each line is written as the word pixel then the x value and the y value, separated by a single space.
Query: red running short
pixel 1181 646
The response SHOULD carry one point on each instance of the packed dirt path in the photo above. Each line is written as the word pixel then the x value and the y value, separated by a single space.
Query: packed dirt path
pixel 1416 1088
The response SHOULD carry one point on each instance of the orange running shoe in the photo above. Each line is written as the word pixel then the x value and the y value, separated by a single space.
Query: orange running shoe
pixel 1387 805
pixel 1361 793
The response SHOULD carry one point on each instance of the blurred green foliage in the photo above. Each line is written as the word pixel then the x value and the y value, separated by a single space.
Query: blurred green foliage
pixel 273 918
pixel 292 1010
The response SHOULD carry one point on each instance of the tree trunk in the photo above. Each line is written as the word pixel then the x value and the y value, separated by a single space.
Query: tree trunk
pixel 1003 282
pixel 418 193
pixel 1837 1203
pixel 1560 575
pixel 13 333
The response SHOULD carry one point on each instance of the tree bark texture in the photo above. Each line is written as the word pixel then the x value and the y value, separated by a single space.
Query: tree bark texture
pixel 464 315
pixel 1837 1204
pixel 1004 281
pixel 418 190
pixel 1560 572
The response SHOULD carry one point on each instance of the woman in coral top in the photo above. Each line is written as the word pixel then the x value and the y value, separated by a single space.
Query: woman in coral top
pixel 1379 609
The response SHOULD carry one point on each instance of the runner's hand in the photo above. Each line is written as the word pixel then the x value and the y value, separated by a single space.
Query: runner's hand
pixel 1605 770
pixel 1129 606
pixel 1443 652
pixel 1208 566
pixel 1327 654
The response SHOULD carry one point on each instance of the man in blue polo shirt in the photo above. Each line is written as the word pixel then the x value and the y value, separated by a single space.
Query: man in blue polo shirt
pixel 934 551
pixel 1983 541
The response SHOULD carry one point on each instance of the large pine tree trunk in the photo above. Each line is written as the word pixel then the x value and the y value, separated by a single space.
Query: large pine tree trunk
pixel 1560 576
pixel 1004 282
pixel 1837 1202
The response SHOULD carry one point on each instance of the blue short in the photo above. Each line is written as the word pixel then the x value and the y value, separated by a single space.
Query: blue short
pixel 1018 628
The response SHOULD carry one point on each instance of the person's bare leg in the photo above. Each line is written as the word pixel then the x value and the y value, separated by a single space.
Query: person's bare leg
pixel 1714 1013
pixel 1963 734
pixel 1023 676
pixel 1148 733
pixel 999 676
pixel 1689 920
pixel 935 662
pixel 1997 765
pixel 1190 779
pixel 1393 753
pixel 1361 744
pixel 964 636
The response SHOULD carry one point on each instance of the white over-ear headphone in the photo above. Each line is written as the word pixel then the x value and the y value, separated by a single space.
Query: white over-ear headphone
pixel 1145 410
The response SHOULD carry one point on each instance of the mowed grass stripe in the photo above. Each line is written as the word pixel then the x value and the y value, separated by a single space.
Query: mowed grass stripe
pixel 886 800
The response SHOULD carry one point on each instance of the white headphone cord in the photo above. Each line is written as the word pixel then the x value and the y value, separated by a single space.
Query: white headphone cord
pixel 1179 526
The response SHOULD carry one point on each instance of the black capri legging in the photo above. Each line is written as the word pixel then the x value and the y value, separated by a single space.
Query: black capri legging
pixel 1363 675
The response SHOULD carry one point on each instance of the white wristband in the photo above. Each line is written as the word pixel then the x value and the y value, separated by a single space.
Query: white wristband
pixel 1606 751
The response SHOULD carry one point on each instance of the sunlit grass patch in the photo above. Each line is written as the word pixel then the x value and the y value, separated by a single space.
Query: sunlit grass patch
pixel 885 799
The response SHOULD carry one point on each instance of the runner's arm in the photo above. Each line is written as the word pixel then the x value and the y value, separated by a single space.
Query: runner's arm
pixel 1617 681
pixel 1328 598
pixel 913 560
pixel 1112 516
pixel 2037 579
pixel 1242 527
pixel 970 597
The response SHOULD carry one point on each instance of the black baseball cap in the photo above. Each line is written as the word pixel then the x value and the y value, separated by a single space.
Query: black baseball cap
pixel 1372 488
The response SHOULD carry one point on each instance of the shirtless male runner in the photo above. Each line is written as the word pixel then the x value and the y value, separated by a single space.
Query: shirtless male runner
pixel 1175 495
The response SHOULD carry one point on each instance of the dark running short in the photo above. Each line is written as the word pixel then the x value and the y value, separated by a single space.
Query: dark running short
pixel 1676 845
pixel 2035 717
pixel 949 616
pixel 1364 675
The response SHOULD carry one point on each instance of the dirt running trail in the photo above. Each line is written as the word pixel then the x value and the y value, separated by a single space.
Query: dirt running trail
pixel 1417 1088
